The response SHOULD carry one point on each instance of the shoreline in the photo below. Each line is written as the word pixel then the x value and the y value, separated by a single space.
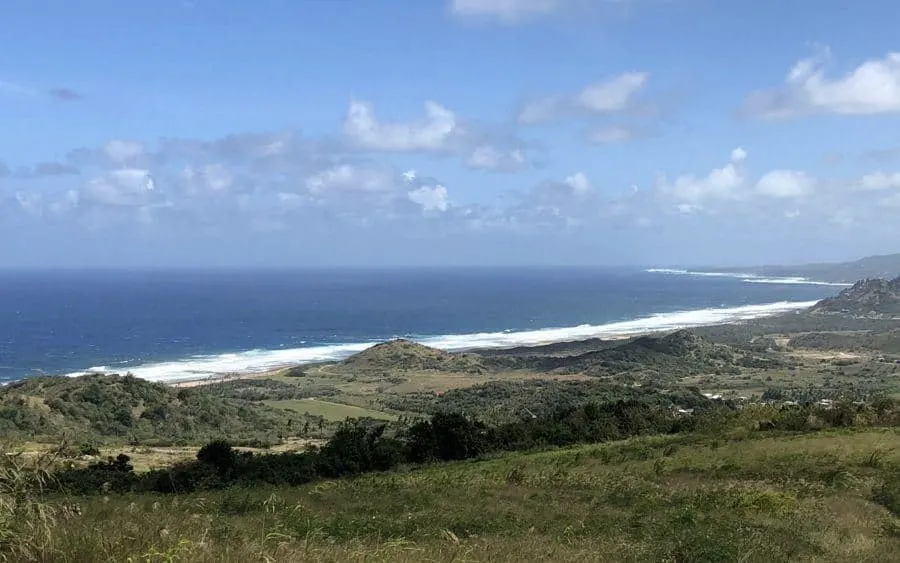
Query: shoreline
pixel 205 370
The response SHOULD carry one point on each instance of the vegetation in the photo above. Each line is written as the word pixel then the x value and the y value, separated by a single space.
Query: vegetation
pixel 124 409
pixel 403 355
pixel 870 297
pixel 505 401
pixel 857 341
pixel 360 447
pixel 775 439
pixel 704 496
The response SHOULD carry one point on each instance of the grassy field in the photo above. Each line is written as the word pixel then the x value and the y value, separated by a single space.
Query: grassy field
pixel 329 410
pixel 749 497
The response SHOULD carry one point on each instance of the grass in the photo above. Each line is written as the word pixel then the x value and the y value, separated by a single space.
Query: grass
pixel 810 497
pixel 329 410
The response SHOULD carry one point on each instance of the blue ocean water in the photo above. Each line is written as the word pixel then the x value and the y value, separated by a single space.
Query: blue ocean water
pixel 168 325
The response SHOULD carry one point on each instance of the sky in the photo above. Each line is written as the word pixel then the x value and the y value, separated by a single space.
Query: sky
pixel 286 133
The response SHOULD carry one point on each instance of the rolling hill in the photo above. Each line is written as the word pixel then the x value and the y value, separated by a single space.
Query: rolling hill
pixel 404 355
pixel 113 408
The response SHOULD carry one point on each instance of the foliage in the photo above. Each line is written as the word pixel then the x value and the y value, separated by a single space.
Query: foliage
pixel 119 409
pixel 361 447
pixel 26 519
pixel 698 497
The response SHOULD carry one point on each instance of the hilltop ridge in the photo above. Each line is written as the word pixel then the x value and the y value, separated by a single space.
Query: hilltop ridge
pixel 405 355
pixel 868 297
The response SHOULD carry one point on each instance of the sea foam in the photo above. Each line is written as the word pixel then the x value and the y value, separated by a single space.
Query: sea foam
pixel 747 277
pixel 257 361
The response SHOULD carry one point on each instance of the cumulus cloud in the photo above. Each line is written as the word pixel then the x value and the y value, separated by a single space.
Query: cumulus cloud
pixel 347 177
pixel 31 203
pixel 119 150
pixel 578 182
pixel 786 184
pixel 434 132
pixel 122 187
pixel 720 184
pixel 430 198
pixel 613 134
pixel 504 11
pixel 611 96
pixel 210 178
pixel 44 169
pixel 488 157
pixel 878 181
pixel 872 87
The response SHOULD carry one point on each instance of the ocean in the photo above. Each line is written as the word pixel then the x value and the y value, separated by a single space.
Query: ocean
pixel 176 325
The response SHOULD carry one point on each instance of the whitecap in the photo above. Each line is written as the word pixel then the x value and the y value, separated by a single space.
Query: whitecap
pixel 258 361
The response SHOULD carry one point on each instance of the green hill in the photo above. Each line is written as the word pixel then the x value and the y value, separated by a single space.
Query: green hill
pixel 403 355
pixel 113 408
pixel 673 355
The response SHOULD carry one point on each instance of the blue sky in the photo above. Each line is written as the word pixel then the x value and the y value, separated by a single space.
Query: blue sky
pixel 447 132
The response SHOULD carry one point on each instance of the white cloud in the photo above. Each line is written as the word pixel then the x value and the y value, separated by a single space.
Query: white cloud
pixel 579 183
pixel 612 95
pixel 606 97
pixel 31 203
pixel 873 87
pixel 612 134
pixel 488 157
pixel 432 133
pixel 122 187
pixel 687 208
pixel 543 109
pixel 880 181
pixel 782 184
pixel 119 150
pixel 504 11
pixel 721 183
pixel 430 198
pixel 209 178
pixel 346 177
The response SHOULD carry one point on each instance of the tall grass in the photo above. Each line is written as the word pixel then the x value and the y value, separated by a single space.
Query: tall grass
pixel 686 498
pixel 26 518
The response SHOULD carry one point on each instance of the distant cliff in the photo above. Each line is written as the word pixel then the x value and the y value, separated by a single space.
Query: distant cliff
pixel 886 266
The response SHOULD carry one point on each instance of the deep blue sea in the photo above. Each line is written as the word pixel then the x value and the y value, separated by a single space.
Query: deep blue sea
pixel 167 325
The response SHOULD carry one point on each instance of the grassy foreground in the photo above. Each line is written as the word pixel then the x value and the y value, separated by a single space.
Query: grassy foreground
pixel 827 496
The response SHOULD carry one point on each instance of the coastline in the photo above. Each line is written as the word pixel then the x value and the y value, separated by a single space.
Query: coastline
pixel 204 370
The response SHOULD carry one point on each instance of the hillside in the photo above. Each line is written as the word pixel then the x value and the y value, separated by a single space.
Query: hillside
pixel 403 355
pixel 673 355
pixel 869 297
pixel 886 342
pixel 112 408
pixel 754 497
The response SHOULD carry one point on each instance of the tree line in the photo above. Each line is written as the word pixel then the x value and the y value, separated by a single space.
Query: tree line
pixel 361 446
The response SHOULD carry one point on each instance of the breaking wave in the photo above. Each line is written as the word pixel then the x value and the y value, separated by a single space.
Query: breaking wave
pixel 258 361
pixel 747 277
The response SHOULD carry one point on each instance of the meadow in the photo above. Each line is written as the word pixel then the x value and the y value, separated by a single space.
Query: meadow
pixel 742 496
